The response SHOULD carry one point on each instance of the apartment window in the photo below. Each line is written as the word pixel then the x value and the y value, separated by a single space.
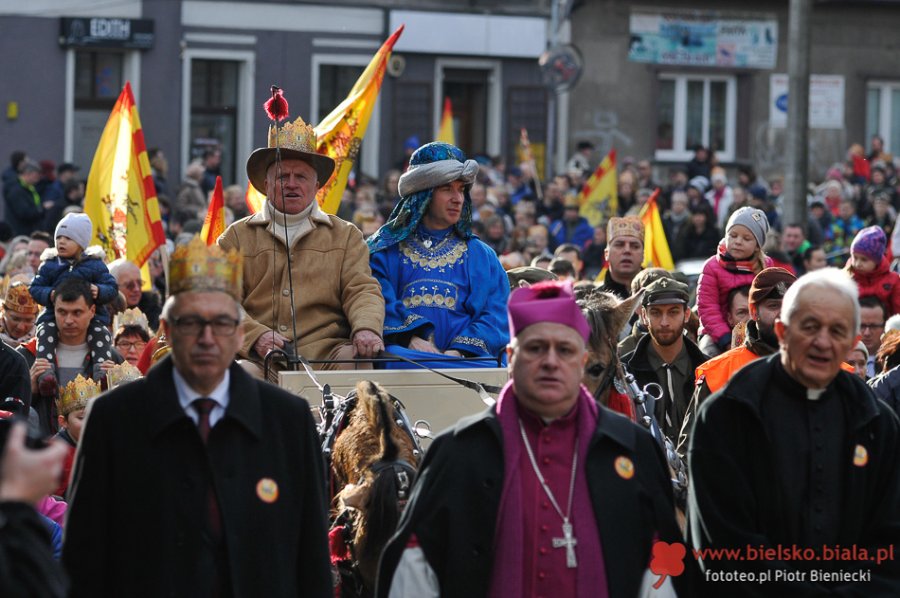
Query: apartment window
pixel 695 110
pixel 99 78
pixel 214 109
pixel 883 113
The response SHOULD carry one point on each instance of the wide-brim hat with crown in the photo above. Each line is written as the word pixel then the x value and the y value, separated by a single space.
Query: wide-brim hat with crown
pixel 200 268
pixel 76 395
pixel 297 141
pixel 18 299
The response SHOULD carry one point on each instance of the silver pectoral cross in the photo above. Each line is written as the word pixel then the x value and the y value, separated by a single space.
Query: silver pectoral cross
pixel 569 542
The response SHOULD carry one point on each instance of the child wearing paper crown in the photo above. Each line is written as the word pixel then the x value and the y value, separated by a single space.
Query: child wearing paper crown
pixel 739 258
pixel 71 259
pixel 870 268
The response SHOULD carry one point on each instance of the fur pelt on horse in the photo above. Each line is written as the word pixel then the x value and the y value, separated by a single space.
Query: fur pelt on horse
pixel 368 456
pixel 607 316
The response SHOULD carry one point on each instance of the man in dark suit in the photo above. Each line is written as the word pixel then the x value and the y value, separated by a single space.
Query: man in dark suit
pixel 199 480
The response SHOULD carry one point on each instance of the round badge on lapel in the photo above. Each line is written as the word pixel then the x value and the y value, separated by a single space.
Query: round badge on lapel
pixel 860 456
pixel 267 490
pixel 624 467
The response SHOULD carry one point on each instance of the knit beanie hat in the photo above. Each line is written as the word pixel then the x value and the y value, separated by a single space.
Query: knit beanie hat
pixel 755 220
pixel 77 227
pixel 870 242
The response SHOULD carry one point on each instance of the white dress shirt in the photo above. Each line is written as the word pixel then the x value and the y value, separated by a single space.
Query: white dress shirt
pixel 187 395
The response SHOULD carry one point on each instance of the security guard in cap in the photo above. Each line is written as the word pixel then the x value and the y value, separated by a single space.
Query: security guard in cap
pixel 664 355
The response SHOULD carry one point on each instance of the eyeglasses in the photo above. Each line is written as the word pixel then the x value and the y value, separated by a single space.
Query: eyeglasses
pixel 132 284
pixel 871 326
pixel 126 346
pixel 194 326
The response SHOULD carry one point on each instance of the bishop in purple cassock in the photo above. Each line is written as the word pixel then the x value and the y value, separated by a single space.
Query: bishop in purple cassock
pixel 544 494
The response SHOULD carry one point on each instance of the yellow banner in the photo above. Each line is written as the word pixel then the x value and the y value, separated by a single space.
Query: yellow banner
pixel 599 197
pixel 120 197
pixel 341 132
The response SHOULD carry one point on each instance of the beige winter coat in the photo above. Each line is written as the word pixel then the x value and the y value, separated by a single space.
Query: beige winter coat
pixel 335 294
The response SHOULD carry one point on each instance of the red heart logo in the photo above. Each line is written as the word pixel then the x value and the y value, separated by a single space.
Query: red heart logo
pixel 668 559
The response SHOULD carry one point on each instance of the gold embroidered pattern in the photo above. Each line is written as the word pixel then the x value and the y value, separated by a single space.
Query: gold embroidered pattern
pixel 446 253
pixel 468 340
pixel 409 320
pixel 427 292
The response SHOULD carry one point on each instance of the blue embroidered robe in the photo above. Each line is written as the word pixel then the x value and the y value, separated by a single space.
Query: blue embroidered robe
pixel 454 292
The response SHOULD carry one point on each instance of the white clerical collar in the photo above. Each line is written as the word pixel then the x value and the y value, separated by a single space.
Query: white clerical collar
pixel 814 394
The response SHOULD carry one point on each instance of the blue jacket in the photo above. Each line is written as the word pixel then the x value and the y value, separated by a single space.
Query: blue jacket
pixel 90 268
pixel 582 232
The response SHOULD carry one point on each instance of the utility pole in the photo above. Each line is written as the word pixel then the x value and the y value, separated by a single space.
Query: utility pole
pixel 797 146
pixel 553 39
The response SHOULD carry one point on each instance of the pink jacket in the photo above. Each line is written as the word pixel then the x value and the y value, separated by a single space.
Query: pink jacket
pixel 881 283
pixel 712 293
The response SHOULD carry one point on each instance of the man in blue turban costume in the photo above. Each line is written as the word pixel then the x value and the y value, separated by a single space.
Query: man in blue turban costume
pixel 444 290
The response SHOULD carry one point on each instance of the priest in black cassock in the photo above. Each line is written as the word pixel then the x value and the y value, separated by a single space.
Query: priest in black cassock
pixel 795 453
pixel 546 493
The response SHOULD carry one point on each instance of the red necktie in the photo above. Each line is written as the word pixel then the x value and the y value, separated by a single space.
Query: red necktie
pixel 214 518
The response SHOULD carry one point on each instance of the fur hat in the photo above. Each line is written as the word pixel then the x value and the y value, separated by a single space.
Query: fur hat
pixel 755 221
pixel 870 242
pixel 77 227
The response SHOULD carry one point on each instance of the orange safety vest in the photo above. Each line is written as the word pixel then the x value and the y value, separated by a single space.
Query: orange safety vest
pixel 718 370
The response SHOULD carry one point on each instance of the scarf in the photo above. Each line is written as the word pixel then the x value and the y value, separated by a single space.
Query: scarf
pixel 732 265
pixel 506 579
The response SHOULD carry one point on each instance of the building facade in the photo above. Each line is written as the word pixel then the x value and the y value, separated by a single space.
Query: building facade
pixel 662 77
pixel 201 70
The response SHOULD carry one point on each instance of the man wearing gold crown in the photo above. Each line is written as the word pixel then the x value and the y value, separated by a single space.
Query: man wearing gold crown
pixel 18 314
pixel 223 474
pixel 338 304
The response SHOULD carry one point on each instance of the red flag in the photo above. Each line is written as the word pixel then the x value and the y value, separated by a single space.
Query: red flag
pixel 214 224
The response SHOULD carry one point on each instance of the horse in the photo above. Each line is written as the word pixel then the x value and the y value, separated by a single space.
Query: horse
pixel 607 316
pixel 374 458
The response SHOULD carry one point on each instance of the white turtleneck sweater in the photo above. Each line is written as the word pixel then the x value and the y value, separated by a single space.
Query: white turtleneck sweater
pixel 298 225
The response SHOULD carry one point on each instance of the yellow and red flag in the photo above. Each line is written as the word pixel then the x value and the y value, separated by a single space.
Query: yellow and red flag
pixel 120 197
pixel 341 132
pixel 214 223
pixel 599 197
pixel 656 247
pixel 445 131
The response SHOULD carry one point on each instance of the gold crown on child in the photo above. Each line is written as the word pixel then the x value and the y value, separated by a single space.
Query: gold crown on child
pixel 120 374
pixel 76 394
pixel 198 267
